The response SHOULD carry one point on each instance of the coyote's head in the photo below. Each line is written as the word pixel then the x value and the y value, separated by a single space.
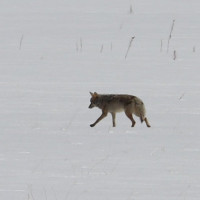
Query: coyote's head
pixel 93 100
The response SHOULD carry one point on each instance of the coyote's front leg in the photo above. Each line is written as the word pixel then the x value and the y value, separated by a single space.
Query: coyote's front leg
pixel 103 115
pixel 113 118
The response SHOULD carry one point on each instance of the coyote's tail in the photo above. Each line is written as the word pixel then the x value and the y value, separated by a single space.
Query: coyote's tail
pixel 141 111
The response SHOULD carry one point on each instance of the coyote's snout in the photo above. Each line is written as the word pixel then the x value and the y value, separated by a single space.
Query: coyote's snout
pixel 114 103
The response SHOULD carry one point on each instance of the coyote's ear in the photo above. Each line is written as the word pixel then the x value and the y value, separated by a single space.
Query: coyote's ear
pixel 91 94
pixel 95 94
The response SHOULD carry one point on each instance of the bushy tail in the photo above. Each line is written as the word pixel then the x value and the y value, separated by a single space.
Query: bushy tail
pixel 141 111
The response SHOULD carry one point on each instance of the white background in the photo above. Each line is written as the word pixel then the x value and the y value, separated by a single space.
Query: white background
pixel 52 53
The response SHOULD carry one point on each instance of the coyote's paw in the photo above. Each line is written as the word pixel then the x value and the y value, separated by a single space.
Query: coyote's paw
pixel 92 125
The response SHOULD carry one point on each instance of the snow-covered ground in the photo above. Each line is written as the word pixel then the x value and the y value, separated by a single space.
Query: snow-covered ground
pixel 52 53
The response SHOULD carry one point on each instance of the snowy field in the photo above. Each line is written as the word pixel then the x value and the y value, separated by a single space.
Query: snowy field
pixel 52 53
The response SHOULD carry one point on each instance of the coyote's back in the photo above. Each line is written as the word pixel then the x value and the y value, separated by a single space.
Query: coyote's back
pixel 114 103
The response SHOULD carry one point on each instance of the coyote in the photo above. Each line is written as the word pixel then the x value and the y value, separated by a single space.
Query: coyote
pixel 113 103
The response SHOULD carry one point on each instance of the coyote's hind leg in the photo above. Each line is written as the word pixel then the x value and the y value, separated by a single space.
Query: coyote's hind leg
pixel 130 116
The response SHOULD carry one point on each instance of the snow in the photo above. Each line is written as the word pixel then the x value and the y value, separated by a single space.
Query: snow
pixel 52 54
